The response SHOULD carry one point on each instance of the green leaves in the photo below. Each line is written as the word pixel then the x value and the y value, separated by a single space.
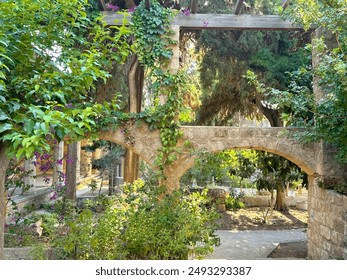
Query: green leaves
pixel 52 53
pixel 330 112
pixel 3 116
pixel 151 29
pixel 5 126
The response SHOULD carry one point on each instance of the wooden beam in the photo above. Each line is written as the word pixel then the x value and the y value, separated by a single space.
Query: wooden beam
pixel 238 6
pixel 220 22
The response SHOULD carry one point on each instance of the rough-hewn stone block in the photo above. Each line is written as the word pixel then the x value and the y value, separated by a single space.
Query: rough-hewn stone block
pixel 336 199
pixel 325 232
pixel 337 238
pixel 339 226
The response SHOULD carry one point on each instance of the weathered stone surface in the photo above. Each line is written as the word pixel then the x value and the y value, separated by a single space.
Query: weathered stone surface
pixel 327 209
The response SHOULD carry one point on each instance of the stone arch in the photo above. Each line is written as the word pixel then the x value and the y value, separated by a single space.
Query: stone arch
pixel 274 140
pixel 136 137
pixel 145 142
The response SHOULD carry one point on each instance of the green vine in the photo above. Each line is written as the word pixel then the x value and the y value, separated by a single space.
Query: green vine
pixel 152 45
pixel 153 38
pixel 152 30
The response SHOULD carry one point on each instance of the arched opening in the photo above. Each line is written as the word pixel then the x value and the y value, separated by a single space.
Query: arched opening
pixel 250 202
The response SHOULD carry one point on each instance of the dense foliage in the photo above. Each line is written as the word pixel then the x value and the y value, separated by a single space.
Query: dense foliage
pixel 135 225
pixel 225 56
pixel 52 53
pixel 330 110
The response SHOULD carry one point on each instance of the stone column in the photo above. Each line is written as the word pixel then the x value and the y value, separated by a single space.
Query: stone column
pixel 86 160
pixel 30 179
pixel 327 210
pixel 175 60
pixel 58 156
pixel 174 64
pixel 172 178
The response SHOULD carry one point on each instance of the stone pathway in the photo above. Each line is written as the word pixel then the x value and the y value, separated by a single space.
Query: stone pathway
pixel 253 244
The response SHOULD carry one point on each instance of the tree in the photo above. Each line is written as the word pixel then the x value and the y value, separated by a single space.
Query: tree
pixel 223 166
pixel 227 56
pixel 330 109
pixel 51 55
pixel 276 173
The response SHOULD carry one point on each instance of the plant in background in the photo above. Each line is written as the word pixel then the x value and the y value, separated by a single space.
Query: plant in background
pixel 52 53
pixel 139 225
pixel 330 117
pixel 228 167
pixel 233 201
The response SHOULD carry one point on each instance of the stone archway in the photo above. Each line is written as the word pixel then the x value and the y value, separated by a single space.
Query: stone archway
pixel 145 142
pixel 327 225
pixel 136 137
pixel 215 139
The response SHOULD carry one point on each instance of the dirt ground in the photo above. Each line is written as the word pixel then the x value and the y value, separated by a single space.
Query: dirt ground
pixel 252 218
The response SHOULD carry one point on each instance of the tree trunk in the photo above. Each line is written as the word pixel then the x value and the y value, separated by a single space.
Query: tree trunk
pixel 272 115
pixel 71 171
pixel 135 82
pixel 130 4
pixel 274 118
pixel 280 200
pixel 4 162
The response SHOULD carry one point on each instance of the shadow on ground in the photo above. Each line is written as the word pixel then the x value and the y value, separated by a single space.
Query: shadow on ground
pixel 290 250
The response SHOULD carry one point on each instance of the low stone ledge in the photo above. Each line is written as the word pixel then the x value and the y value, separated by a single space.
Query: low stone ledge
pixel 24 253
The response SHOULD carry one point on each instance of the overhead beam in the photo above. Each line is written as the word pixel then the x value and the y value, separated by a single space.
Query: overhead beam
pixel 238 6
pixel 220 21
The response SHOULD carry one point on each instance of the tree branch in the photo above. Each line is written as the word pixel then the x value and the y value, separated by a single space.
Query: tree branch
pixel 238 6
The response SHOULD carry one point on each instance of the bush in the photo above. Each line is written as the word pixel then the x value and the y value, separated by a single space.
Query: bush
pixel 141 224
pixel 233 201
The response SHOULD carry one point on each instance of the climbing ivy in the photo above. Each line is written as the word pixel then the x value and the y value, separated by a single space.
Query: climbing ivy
pixel 153 38
pixel 152 41
pixel 152 30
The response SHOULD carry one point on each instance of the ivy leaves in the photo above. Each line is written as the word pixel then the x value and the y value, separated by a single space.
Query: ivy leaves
pixel 151 29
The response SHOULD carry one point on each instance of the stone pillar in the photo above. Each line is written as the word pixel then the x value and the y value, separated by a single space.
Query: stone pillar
pixel 58 156
pixel 327 228
pixel 171 180
pixel 327 210
pixel 86 160
pixel 174 64
pixel 30 179
pixel 175 60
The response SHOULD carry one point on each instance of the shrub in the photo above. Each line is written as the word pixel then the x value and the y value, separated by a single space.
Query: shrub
pixel 141 224
pixel 233 201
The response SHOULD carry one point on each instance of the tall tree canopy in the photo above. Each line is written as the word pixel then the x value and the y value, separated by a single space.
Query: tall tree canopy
pixel 226 56
pixel 330 110
pixel 52 53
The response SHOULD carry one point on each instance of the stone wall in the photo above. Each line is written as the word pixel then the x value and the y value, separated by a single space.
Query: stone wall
pixel 327 231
